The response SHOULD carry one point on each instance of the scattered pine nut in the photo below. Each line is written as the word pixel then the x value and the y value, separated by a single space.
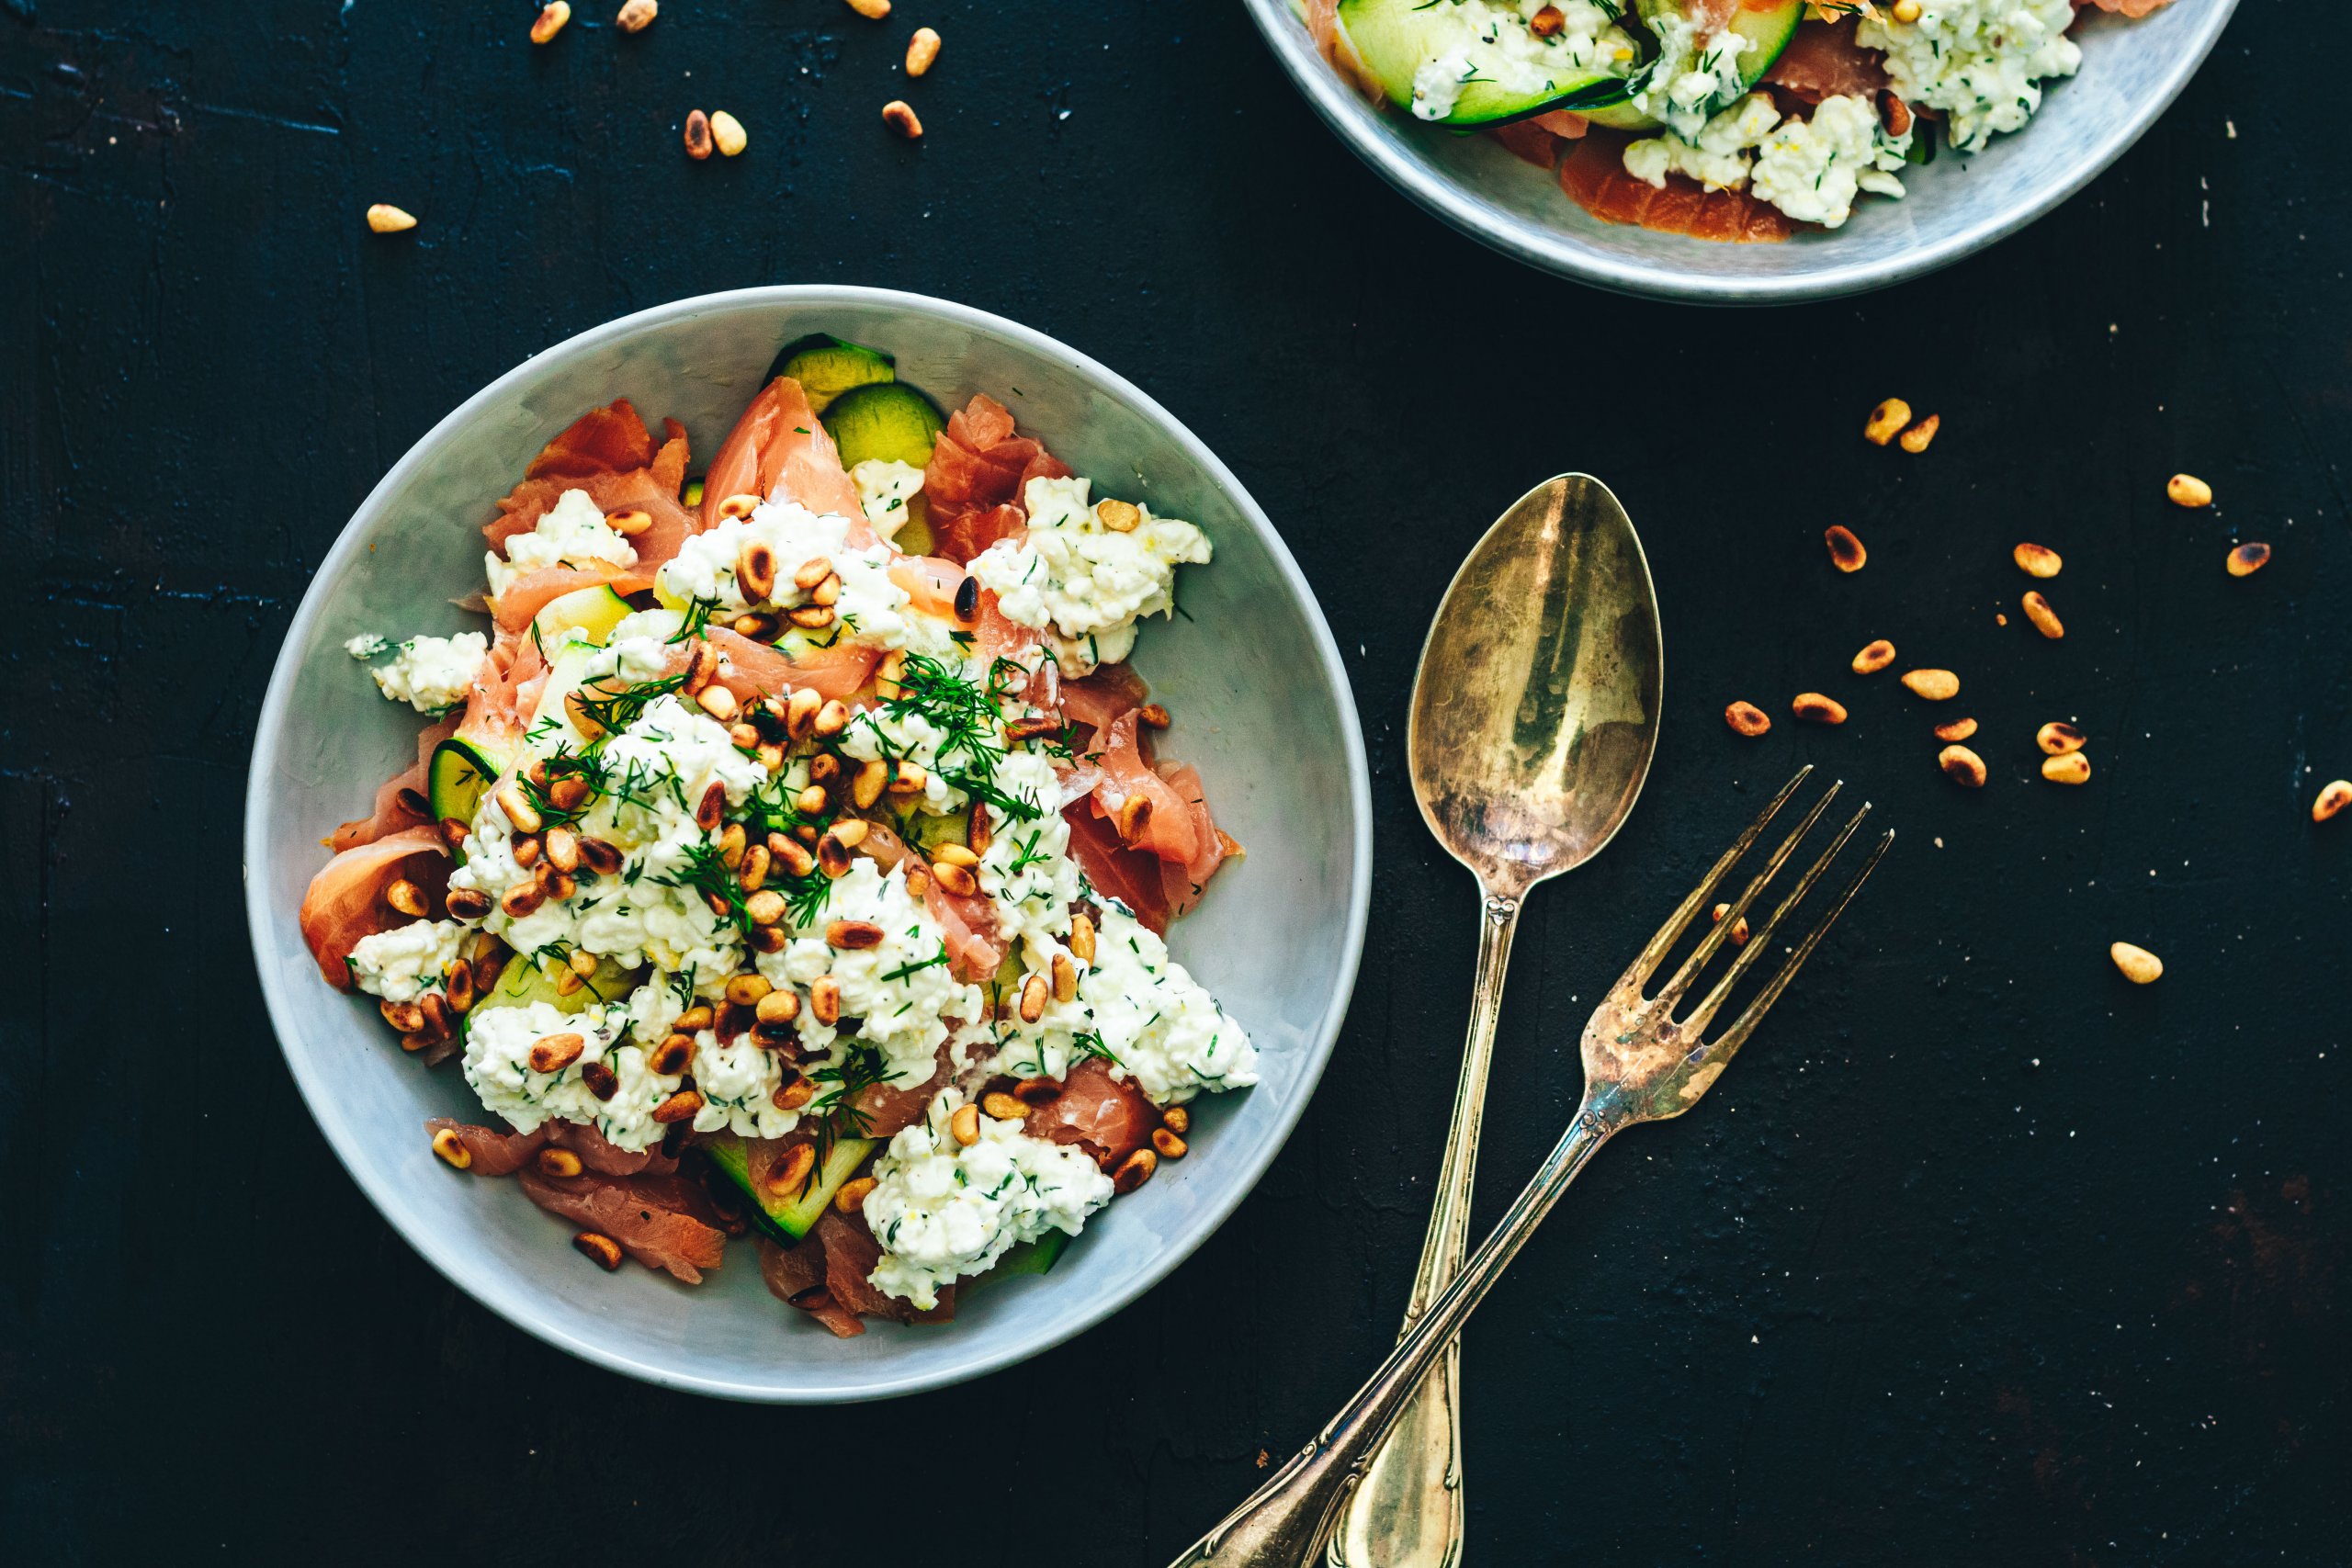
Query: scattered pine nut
pixel 922 49
pixel 2037 561
pixel 1002 1106
pixel 405 897
pixel 1907 11
pixel 2188 490
pixel 872 10
pixel 852 1197
pixel 727 133
pixel 1814 708
pixel 562 1163
pixel 1547 21
pixel 1886 422
pixel 1916 439
pixel 679 1107
pixel 1846 552
pixel 1167 1144
pixel 386 218
pixel 1133 1171
pixel 1958 730
pixel 1176 1119
pixel 2334 796
pixel 2057 737
pixel 790 1172
pixel 629 522
pixel 1875 657
pixel 1962 766
pixel 1738 927
pixel 698 141
pixel 897 114
pixel 1746 718
pixel 2248 559
pixel 2067 768
pixel 1936 685
pixel 964 1125
pixel 2138 965
pixel 1119 517
pixel 452 1148
pixel 636 15
pixel 2045 619
pixel 553 16
pixel 599 1249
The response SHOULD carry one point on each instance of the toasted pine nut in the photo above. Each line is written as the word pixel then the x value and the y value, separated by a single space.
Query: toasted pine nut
pixel 553 1053
pixel 452 1148
pixel 1907 11
pixel 405 897
pixel 755 571
pixel 522 898
pixel 467 903
pixel 2057 737
pixel 1875 657
pixel 766 908
pixel 636 15
pixel 727 133
pixel 386 218
pixel 1032 998
pixel 1038 1090
pixel 458 985
pixel 2067 768
pixel 853 935
pixel 1164 1139
pixel 1893 113
pixel 2332 797
pixel 790 853
pixel 518 809
pixel 1119 517
pixel 964 1125
pixel 832 856
pixel 831 719
pixel 562 846
pixel 922 49
pixel 790 1172
pixel 1936 685
pixel 1132 816
pixel 679 1107
pixel 582 962
pixel 711 806
pixel 1958 730
pixel 825 999
pixel 907 778
pixel 551 18
pixel 2248 559
pixel 886 675
pixel 2045 619
pixel 1547 21
pixel 1962 766
pixel 745 991
pixel 777 1006
pixel 811 573
pixel 562 1163
pixel 1133 1171
pixel 670 1058
pixel 696 1018
pixel 1738 927
pixel 698 135
pixel 1082 937
pixel 852 1196
pixel 872 10
pixel 801 712
pixel 957 880
pixel 1916 439
pixel 601 1081
pixel 871 781
pixel 954 854
pixel 1176 1119
pixel 1886 422
pixel 828 592
pixel 1846 552
pixel 1816 708
pixel 2188 490
pixel 895 114
pixel 2037 561
pixel 598 1249
pixel 740 505
pixel 1065 978
pixel 1002 1106
pixel 1746 718
pixel 2138 965
pixel 792 1093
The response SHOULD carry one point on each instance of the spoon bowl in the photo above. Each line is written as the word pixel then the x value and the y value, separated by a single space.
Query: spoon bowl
pixel 1535 711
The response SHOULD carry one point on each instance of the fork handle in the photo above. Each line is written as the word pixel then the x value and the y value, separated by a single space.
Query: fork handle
pixel 1285 1520
pixel 1409 1512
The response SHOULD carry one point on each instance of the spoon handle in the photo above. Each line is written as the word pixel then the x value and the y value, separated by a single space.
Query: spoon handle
pixel 1407 1512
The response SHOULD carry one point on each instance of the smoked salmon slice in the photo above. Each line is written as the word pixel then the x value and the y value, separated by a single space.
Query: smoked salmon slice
pixel 1824 62
pixel 345 899
pixel 1109 1117
pixel 1595 178
pixel 780 449
pixel 401 800
pixel 664 1222
pixel 979 472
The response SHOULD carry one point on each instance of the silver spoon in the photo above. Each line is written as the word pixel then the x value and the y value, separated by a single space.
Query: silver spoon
pixel 1534 716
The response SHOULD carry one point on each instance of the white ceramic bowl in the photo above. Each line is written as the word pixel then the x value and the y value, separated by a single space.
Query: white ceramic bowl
pixel 2131 69
pixel 1261 703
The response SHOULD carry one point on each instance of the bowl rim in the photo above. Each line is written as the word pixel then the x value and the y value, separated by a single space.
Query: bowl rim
pixel 502 1289
pixel 1549 249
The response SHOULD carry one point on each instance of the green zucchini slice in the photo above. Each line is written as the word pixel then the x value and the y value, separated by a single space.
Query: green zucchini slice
pixel 891 421
pixel 1768 32
pixel 455 778
pixel 590 612
pixel 788 1219
pixel 1398 39
pixel 826 366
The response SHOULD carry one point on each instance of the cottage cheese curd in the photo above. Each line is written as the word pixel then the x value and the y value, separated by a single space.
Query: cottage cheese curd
pixel 1694 76
pixel 943 1210
pixel 1494 43
pixel 432 674
pixel 497 1064
pixel 571 533
pixel 1720 156
pixel 1982 63
pixel 1083 582
pixel 885 489
pixel 1813 169
pixel 404 963
pixel 869 606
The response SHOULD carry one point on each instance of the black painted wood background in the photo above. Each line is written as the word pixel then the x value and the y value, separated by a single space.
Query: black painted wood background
pixel 1978 1255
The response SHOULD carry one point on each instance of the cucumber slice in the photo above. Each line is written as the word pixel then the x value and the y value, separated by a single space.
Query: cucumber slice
pixel 590 612
pixel 891 421
pixel 788 1219
pixel 1395 39
pixel 551 729
pixel 1768 32
pixel 454 781
pixel 1028 1257
pixel 827 367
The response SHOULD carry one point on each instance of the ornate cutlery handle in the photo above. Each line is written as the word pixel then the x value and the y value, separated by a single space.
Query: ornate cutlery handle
pixel 1283 1522
pixel 1407 1512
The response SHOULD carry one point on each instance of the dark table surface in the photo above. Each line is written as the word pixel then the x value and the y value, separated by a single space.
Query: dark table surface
pixel 1980 1254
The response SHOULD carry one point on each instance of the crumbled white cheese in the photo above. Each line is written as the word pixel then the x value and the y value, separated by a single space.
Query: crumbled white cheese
pixel 943 1210
pixel 1693 78
pixel 1084 582
pixel 571 533
pixel 876 733
pixel 498 1064
pixel 884 489
pixel 1981 62
pixel 1813 169
pixel 1488 42
pixel 432 674
pixel 869 607
pixel 1026 869
pixel 738 1080
pixel 404 963
pixel 366 645
pixel 1720 156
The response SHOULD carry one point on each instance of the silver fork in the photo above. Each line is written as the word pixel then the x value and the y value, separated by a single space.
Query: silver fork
pixel 1642 1062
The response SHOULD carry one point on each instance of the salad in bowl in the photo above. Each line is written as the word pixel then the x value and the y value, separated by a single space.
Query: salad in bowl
pixel 787 862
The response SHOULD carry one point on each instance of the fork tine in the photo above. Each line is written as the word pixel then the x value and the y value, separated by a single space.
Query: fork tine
pixel 1720 1051
pixel 1647 963
pixel 1697 1018
pixel 1713 940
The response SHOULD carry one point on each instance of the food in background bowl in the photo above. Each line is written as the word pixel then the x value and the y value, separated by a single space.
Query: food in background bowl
pixel 792 854
pixel 1722 120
